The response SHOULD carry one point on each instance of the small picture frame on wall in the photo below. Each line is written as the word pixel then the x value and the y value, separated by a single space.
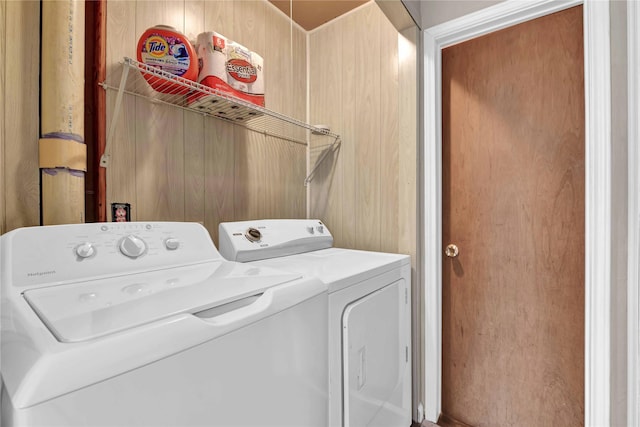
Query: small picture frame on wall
pixel 120 212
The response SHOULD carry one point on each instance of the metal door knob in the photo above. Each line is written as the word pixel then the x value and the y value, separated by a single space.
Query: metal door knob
pixel 451 251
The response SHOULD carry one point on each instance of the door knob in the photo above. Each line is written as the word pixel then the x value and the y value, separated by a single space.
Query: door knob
pixel 451 251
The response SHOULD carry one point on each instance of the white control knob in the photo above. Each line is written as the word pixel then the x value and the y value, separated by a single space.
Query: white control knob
pixel 171 243
pixel 310 229
pixel 132 246
pixel 85 250
pixel 320 228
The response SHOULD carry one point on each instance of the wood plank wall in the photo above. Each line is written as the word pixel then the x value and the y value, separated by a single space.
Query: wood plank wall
pixel 175 165
pixel 362 77
pixel 172 165
pixel 19 109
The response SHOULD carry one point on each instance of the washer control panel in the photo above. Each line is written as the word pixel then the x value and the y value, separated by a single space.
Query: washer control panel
pixel 65 253
pixel 260 239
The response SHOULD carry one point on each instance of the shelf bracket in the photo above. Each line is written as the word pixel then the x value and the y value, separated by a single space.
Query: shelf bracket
pixel 333 147
pixel 104 159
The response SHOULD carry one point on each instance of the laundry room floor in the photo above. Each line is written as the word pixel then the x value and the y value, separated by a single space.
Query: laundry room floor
pixel 442 422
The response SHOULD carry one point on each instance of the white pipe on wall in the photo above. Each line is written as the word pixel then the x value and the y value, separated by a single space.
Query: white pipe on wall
pixel 62 148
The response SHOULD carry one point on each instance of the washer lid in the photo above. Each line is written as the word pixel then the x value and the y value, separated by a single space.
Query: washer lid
pixel 87 310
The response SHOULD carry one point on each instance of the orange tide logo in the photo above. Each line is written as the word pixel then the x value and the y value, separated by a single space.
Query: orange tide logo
pixel 157 46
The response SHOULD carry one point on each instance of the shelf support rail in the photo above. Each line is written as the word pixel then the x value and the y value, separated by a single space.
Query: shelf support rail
pixel 333 147
pixel 104 159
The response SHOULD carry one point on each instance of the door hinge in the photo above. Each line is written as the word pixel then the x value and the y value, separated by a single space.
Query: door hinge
pixel 406 353
pixel 406 296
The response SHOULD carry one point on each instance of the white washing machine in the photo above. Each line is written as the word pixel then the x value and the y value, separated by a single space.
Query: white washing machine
pixel 369 314
pixel 145 324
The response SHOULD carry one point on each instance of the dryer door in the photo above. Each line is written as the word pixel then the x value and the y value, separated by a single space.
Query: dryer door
pixel 375 358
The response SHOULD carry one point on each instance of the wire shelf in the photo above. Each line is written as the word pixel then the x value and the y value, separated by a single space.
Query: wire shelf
pixel 159 86
pixel 186 94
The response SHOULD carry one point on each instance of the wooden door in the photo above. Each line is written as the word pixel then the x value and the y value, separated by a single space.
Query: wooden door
pixel 513 203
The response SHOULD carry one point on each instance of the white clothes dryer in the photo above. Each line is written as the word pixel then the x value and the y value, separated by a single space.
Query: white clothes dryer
pixel 145 324
pixel 369 314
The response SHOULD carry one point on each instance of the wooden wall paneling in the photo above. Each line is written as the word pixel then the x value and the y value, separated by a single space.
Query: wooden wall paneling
pixel 297 197
pixel 254 189
pixel 286 88
pixel 285 193
pixel 159 163
pixel 408 140
pixel 194 167
pixel 194 19
pixel 219 161
pixel 247 184
pixel 219 144
pixel 21 169
pixel 251 157
pixel 277 54
pixel 367 164
pixel 389 133
pixel 194 138
pixel 121 173
pixel 159 134
pixel 326 76
pixel 219 17
pixel 363 89
pixel 264 165
pixel 350 117
pixel 271 176
pixel 3 38
pixel 366 186
pixel 299 86
pixel 249 25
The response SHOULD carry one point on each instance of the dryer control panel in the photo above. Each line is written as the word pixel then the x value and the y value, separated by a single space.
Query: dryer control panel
pixel 67 253
pixel 270 238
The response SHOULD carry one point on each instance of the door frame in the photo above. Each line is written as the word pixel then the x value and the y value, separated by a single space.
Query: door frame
pixel 633 276
pixel 597 189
